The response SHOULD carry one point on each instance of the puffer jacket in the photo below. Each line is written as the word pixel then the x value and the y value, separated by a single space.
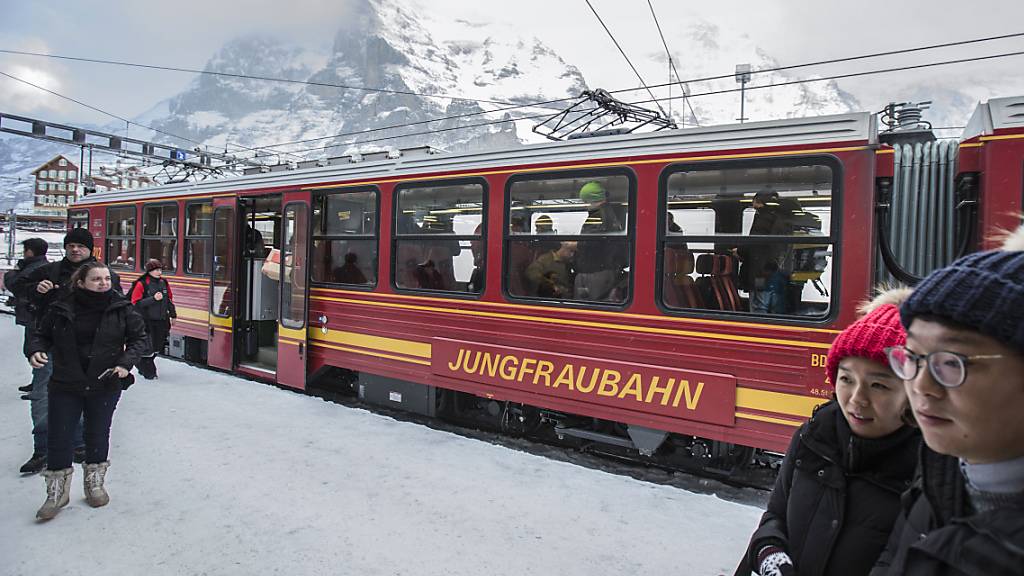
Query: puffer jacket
pixel 142 295
pixel 119 341
pixel 59 273
pixel 836 497
pixel 938 534
pixel 16 281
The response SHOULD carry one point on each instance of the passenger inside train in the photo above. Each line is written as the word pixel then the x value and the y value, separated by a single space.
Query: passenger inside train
pixel 760 240
pixel 579 246
pixel 435 229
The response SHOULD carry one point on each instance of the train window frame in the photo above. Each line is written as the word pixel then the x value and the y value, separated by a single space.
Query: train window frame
pixel 834 239
pixel 77 215
pixel 108 238
pixel 288 322
pixel 160 237
pixel 395 238
pixel 315 234
pixel 630 236
pixel 187 238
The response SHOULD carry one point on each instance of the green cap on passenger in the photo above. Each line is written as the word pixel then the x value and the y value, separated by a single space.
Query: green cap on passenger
pixel 593 192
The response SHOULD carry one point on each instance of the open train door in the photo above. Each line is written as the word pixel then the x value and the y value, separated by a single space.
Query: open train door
pixel 220 353
pixel 291 340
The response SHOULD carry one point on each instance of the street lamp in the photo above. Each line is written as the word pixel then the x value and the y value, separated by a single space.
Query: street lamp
pixel 742 77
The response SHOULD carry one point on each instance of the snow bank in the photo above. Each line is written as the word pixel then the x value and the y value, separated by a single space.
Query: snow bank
pixel 213 474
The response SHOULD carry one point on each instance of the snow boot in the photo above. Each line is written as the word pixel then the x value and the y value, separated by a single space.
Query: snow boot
pixel 58 487
pixel 95 495
pixel 35 464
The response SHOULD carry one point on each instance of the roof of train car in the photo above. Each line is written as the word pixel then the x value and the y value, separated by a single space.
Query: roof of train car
pixel 997 114
pixel 853 127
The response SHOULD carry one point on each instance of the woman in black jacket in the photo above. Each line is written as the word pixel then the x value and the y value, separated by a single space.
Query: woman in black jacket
pixel 93 337
pixel 151 296
pixel 837 494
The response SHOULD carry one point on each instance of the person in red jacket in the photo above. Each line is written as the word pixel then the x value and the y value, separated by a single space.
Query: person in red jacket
pixel 152 298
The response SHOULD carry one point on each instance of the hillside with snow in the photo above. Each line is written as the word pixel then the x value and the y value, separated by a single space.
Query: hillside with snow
pixel 424 70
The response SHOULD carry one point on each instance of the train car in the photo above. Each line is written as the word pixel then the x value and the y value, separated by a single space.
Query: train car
pixel 669 294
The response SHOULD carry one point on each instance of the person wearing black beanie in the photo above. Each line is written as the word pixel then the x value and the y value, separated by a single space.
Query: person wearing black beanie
pixel 43 287
pixel 79 236
pixel 962 368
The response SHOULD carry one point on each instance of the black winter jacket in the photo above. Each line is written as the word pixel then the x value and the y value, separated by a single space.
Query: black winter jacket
pixel 836 497
pixel 938 533
pixel 151 309
pixel 59 273
pixel 120 340
pixel 16 281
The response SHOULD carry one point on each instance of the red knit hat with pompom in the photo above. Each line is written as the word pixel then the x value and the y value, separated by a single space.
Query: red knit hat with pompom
pixel 867 338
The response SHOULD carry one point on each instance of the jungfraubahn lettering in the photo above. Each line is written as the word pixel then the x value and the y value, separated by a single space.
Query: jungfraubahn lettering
pixel 580 378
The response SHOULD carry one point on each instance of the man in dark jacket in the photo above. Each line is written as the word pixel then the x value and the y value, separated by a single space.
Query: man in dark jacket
pixel 962 368
pixel 52 281
pixel 33 257
pixel 600 262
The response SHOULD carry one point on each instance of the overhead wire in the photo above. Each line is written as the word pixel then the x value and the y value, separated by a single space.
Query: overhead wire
pixel 111 114
pixel 620 91
pixel 276 146
pixel 623 52
pixel 672 67
pixel 694 95
pixel 250 77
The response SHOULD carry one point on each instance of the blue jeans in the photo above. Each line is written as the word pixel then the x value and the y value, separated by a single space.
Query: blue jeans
pixel 39 407
pixel 66 410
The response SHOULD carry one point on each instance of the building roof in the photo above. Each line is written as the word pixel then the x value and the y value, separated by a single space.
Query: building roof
pixel 51 160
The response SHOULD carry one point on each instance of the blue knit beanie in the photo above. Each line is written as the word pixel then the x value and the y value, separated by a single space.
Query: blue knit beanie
pixel 983 291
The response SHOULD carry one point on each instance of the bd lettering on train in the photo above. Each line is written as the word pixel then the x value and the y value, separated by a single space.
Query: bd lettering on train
pixel 701 396
pixel 819 360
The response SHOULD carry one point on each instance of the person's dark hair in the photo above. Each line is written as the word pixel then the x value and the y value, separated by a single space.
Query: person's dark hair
pixel 38 246
pixel 83 272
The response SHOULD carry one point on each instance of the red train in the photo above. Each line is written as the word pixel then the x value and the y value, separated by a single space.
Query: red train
pixel 670 293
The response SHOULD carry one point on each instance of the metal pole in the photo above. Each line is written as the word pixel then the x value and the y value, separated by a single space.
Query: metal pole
pixel 743 100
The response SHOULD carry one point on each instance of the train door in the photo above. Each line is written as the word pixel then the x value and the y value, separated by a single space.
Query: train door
pixel 222 284
pixel 294 273
pixel 256 319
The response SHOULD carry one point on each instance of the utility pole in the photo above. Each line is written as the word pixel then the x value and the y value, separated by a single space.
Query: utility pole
pixel 742 77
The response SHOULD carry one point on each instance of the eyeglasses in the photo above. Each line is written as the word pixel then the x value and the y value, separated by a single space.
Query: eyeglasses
pixel 947 368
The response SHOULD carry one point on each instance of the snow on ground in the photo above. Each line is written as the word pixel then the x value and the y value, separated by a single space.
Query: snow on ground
pixel 213 474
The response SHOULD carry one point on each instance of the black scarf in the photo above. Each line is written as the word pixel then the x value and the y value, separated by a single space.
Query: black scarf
pixel 89 308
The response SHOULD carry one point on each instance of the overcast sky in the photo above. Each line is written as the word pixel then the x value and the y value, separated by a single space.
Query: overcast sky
pixel 186 33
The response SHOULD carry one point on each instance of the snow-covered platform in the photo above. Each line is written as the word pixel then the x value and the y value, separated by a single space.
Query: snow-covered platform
pixel 213 474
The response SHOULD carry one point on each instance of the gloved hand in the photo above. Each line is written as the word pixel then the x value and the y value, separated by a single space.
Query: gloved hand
pixel 773 561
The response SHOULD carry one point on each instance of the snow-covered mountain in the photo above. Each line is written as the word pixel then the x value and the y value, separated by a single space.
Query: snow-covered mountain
pixel 424 70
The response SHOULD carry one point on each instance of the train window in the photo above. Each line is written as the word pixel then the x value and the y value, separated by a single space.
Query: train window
pixel 222 298
pixel 439 237
pixel 121 237
pixel 293 256
pixel 568 238
pixel 198 238
pixel 160 235
pixel 345 237
pixel 78 219
pixel 755 238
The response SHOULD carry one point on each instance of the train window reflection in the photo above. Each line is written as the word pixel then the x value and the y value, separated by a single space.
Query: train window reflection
pixel 568 238
pixel 439 240
pixel 754 239
pixel 121 238
pixel 345 238
pixel 198 237
pixel 160 235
